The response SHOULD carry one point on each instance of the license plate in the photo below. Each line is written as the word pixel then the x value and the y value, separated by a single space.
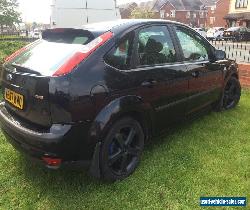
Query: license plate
pixel 14 98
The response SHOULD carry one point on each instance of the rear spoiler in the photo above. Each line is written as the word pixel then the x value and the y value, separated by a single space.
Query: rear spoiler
pixel 48 33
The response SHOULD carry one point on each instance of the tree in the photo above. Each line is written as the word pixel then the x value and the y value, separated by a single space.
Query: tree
pixel 8 13
pixel 139 13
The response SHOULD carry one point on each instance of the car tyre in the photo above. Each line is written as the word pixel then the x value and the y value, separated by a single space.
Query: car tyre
pixel 121 149
pixel 231 95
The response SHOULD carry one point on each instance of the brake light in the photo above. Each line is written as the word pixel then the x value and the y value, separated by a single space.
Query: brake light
pixel 18 52
pixel 80 56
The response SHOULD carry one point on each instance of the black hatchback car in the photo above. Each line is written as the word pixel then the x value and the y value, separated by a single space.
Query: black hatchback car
pixel 94 95
pixel 239 33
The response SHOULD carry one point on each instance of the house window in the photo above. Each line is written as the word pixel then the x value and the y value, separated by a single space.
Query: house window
pixel 202 14
pixel 188 15
pixel 213 9
pixel 212 20
pixel 162 14
pixel 194 15
pixel 172 13
pixel 241 3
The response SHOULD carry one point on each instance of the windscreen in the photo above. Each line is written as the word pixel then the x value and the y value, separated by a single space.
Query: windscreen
pixel 44 57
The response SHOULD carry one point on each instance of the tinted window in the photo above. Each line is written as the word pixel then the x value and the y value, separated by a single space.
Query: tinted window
pixel 193 47
pixel 69 36
pixel 120 56
pixel 155 46
pixel 46 57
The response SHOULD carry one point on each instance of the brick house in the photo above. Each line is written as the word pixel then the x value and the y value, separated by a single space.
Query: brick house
pixel 239 13
pixel 216 12
pixel 190 12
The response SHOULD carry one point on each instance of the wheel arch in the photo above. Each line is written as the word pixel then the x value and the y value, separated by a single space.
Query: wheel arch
pixel 235 75
pixel 231 72
pixel 126 106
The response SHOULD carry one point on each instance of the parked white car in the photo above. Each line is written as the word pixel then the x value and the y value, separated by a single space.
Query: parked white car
pixel 201 31
pixel 36 34
pixel 215 33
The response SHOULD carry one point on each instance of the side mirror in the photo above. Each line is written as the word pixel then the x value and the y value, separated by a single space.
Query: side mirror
pixel 220 55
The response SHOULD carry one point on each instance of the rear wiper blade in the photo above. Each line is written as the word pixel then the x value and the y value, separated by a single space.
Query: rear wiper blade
pixel 25 69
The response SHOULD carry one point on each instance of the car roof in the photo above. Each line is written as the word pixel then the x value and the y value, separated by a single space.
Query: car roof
pixel 110 25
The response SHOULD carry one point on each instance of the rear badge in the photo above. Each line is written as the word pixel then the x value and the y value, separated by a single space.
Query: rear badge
pixel 9 77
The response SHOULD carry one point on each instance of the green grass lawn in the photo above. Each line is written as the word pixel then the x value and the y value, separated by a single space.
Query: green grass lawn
pixel 209 156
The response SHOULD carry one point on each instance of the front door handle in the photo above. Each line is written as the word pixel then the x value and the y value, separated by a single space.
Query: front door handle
pixel 195 74
pixel 149 83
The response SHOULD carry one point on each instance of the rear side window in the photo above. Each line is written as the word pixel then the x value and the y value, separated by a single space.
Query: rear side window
pixel 155 46
pixel 68 36
pixel 120 55
pixel 193 47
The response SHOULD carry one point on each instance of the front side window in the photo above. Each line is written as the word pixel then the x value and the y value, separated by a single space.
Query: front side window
pixel 155 46
pixel 193 47
pixel 120 56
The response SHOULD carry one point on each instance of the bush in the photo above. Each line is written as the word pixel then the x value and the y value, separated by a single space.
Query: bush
pixel 7 48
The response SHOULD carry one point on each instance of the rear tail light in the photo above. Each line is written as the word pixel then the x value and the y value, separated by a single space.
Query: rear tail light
pixel 80 56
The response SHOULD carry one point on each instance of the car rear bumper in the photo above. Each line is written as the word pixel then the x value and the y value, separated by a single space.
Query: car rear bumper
pixel 58 142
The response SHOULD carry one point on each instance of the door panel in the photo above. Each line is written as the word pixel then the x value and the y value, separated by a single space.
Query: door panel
pixel 205 85
pixel 167 94
pixel 205 76
pixel 164 90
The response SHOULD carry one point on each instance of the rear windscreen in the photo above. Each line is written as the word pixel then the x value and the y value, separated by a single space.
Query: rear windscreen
pixel 69 36
pixel 44 57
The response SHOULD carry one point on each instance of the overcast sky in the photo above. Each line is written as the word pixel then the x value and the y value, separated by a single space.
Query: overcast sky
pixel 39 10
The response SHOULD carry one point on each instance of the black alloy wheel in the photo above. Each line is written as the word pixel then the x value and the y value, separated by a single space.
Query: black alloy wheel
pixel 122 149
pixel 232 93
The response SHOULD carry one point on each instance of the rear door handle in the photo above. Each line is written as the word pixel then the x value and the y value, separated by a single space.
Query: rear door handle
pixel 148 83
